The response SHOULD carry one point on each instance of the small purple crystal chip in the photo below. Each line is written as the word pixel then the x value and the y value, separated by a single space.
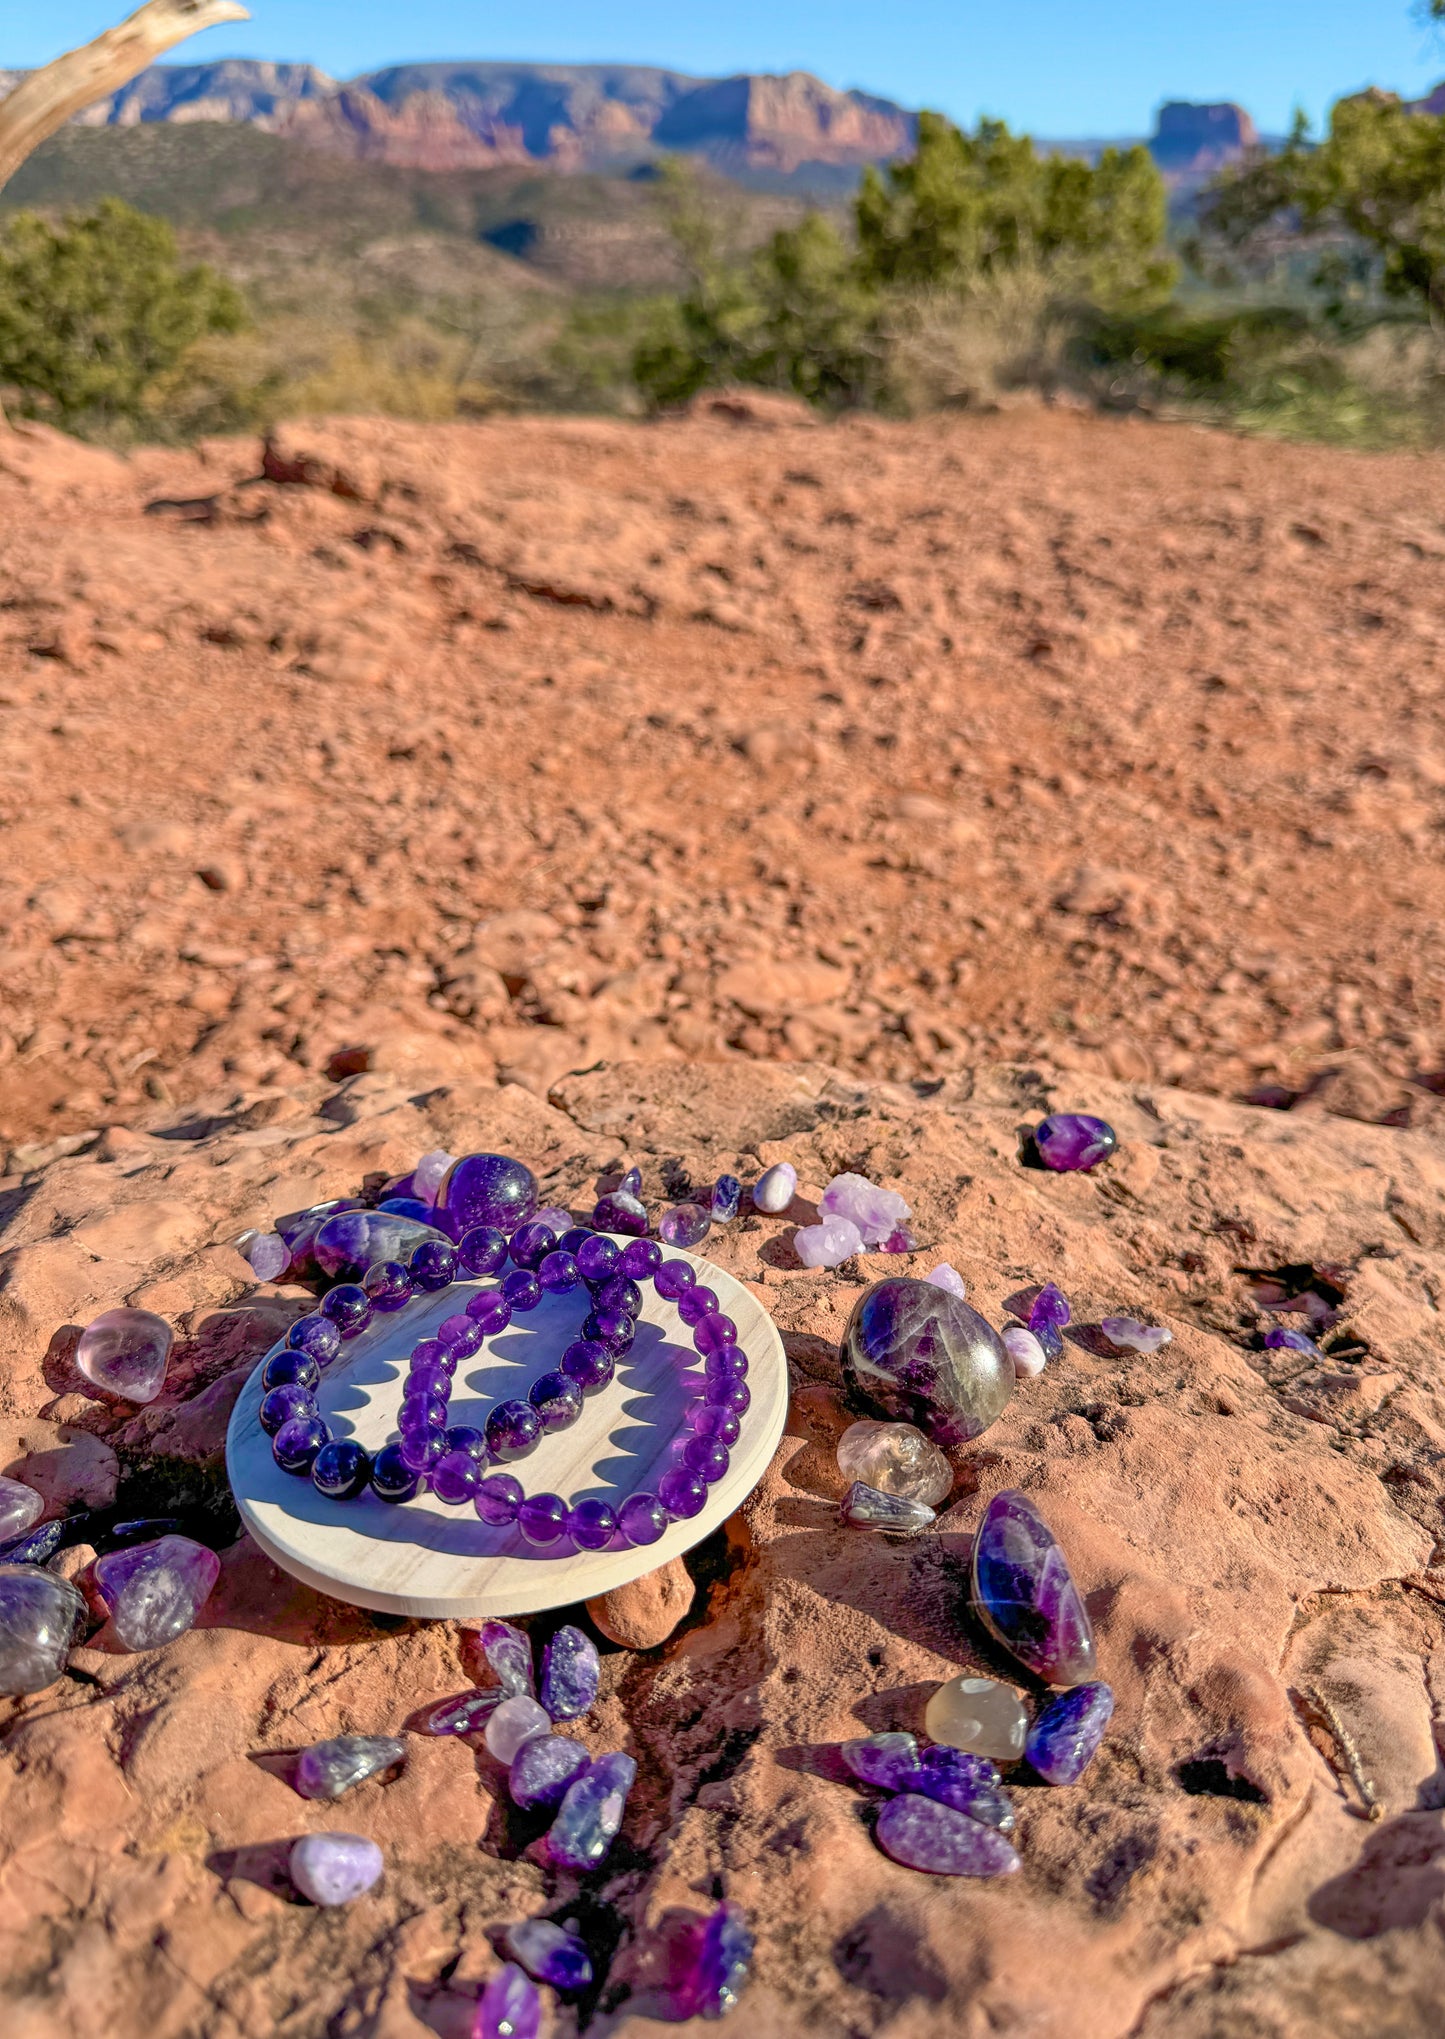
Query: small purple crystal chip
pixel 509 2007
pixel 887 1760
pixel 620 1211
pixel 727 1195
pixel 721 1963
pixel 1063 1740
pixel 550 1954
pixel 591 1813
pixel 923 1834
pixel 1281 1339
pixel 1070 1140
pixel 509 1655
pixel 543 1768
pixel 327 1769
pixel 1025 1595
pixel 966 1782
pixel 571 1672
pixel 1047 1317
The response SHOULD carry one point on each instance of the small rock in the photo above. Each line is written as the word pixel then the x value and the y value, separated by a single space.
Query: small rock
pixel 155 1590
pixel 550 1954
pixel 509 2008
pixel 332 1869
pixel 775 1189
pixel 515 1721
pixel 327 1769
pixel 864 1507
pixel 829 1243
pixel 896 1458
pixel 591 1813
pixel 571 1672
pixel 980 1715
pixel 645 1612
pixel 1063 1740
pixel 878 1213
pixel 922 1834
pixel 19 1507
pixel 39 1617
pixel 1025 1351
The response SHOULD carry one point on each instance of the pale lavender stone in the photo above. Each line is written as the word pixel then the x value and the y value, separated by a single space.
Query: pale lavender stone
pixel 1025 1593
pixel 684 1225
pixel 878 1213
pixel 19 1507
pixel 946 1277
pixel 631 1183
pixel 554 1218
pixel 40 1616
pixel 125 1353
pixel 721 1964
pixel 155 1590
pixel 1063 1740
pixel 918 1354
pixel 1132 1336
pixel 268 1254
pixel 1025 1351
pixel 467 1715
pixel 571 1673
pixel 509 2007
pixel 352 1241
pixel 327 1769
pixel 865 1507
pixel 550 1954
pixel 430 1173
pixel 828 1243
pixel 591 1813
pixel 509 1653
pixel 887 1760
pixel 332 1869
pixel 543 1768
pixel 923 1834
pixel 775 1188
pixel 515 1721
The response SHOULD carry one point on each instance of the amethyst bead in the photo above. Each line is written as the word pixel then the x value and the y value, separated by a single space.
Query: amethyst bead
pixel 348 1307
pixel 682 1493
pixel 522 1290
pixel 487 1189
pixel 464 1437
pixel 574 1239
pixel 498 1498
pixel 728 1363
pixel 1048 1315
pixel 155 1590
pixel 922 1834
pixel 421 1411
pixel 715 1334
pixel 588 1362
pixel 684 1225
pixel 620 1211
pixel 640 1259
pixel 295 1445
pixel 420 1449
pixel 612 1328
pixel 431 1378
pixel 388 1285
pixel 483 1250
pixel 707 1457
pixel 557 1399
pixel 291 1369
pixel 278 1408
pixel 341 1470
pixel 1069 1140
pixel 727 1195
pixel 591 1525
pixel 543 1768
pixel 460 1335
pixel 329 1768
pixel 591 1813
pixel 317 1337
pixel 727 1394
pixel 1064 1738
pixel 887 1760
pixel 915 1352
pixel 509 2007
pixel 708 1421
pixel 550 1954
pixel 431 1352
pixel 513 1428
pixel 696 1303
pixel 641 1519
pixel 672 1277
pixel 597 1258
pixel 571 1667
pixel 531 1244
pixel 434 1265
pixel 392 1479
pixel 1025 1595
pixel 724 1958
pixel 490 1312
pixel 558 1273
pixel 620 1293
pixel 542 1519
pixel 508 1652
pixel 456 1477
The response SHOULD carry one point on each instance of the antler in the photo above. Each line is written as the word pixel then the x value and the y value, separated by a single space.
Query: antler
pixel 47 98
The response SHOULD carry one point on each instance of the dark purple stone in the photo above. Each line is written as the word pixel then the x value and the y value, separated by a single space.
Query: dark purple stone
pixel 388 1284
pixel 542 1519
pixel 728 1394
pixel 1025 1595
pixel 548 1952
pixel 317 1337
pixel 430 1378
pixel 968 1783
pixel 522 1290
pixel 557 1399
pixel 1048 1314
pixel 597 1258
pixel 508 1651
pixel 588 1362
pixel 571 1667
pixel 434 1265
pixel 488 1189
pixel 619 1211
pixel 1066 1734
pixel 1069 1140
pixel 708 1421
pixel 498 1498
pixel 682 1493
pixel 696 1303
pixel 291 1370
pixel 392 1479
pixel 543 1768
pixel 922 1834
pixel 348 1307
pixel 530 1245
pixel 421 1411
pixel 558 1273
pixel 591 1525
pixel 727 1363
pixel 513 1429
pixel 341 1470
pixel 673 1277
pixel 915 1352
pixel 1282 1339
pixel 295 1445
pixel 640 1260
pixel 421 1449
pixel 431 1351
pixel 887 1760
pixel 727 1195
pixel 281 1404
pixel 406 1207
pixel 716 1333
pixel 574 1239
pixel 468 1714
pixel 348 1244
pixel 641 1519
pixel 456 1477
pixel 721 1964
pixel 490 1312
pixel 483 1250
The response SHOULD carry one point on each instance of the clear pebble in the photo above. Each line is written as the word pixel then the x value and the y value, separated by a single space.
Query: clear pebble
pixel 775 1188
pixel 922 1834
pixel 896 1458
pixel 125 1353
pixel 332 1869
pixel 571 1673
pixel 515 1721
pixel 980 1715
pixel 829 1243
pixel 543 1768
pixel 550 1954
pixel 327 1769
pixel 684 1225
pixel 40 1616
pixel 946 1277
pixel 1132 1336
pixel 727 1195
pixel 509 1654
pixel 886 1760
pixel 864 1507
pixel 509 2007
pixel 19 1507
pixel 591 1813
pixel 430 1173
pixel 268 1254
pixel 878 1213
pixel 155 1590
pixel 1025 1351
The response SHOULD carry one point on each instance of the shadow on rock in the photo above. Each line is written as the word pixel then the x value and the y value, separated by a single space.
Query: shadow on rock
pixel 1396 1884
pixel 882 1954
pixel 264 1863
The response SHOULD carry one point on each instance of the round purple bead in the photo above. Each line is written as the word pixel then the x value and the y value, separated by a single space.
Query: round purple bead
pixel 421 1449
pixel 482 1250
pixel 697 1303
pixel 729 1364
pixel 522 1290
pixel 498 1499
pixel 707 1456
pixel 591 1525
pixel 727 1394
pixel 291 1369
pixel 434 1265
pixel 542 1518
pixel 341 1470
pixel 708 1420
pixel 513 1429
pixel 388 1284
pixel 456 1477
pixel 283 1403
pixel 557 1399
pixel 641 1519
pixel 672 1278
pixel 460 1335
pixel 488 1189
pixel 620 1293
pixel 558 1273
pixel 574 1239
pixel 392 1479
pixel 597 1257
pixel 612 1328
pixel 431 1352
pixel 715 1333
pixel 421 1412
pixel 430 1378
pixel 531 1245
pixel 463 1437
pixel 318 1337
pixel 490 1312
pixel 640 1260
pixel 295 1445
pixel 682 1493
pixel 588 1362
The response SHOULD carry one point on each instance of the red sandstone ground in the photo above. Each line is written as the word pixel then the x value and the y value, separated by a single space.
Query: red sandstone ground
pixel 524 744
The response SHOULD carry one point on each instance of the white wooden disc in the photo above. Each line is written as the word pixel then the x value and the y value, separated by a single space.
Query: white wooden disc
pixel 424 1559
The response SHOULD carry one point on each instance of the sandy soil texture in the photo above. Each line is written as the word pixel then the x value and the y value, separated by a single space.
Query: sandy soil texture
pixel 516 746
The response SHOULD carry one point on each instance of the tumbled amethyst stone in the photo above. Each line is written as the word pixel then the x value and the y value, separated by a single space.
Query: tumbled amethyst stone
pixel 914 1351
pixel 487 1189
pixel 571 1672
pixel 125 1352
pixel 40 1616
pixel 923 1834
pixel 865 1507
pixel 1069 1140
pixel 886 1760
pixel 329 1768
pixel 1025 1595
pixel 508 1652
pixel 352 1241
pixel 723 1958
pixel 549 1953
pixel 509 2007
pixel 155 1590
pixel 591 1813
pixel 620 1211
pixel 334 1868
pixel 543 1768
pixel 1048 1314
pixel 967 1782
pixel 1064 1738
pixel 727 1194
pixel 467 1715
pixel 684 1225
pixel 1282 1339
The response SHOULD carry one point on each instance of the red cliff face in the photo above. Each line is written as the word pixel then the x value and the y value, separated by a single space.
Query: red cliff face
pixel 783 122
pixel 1196 141
pixel 425 132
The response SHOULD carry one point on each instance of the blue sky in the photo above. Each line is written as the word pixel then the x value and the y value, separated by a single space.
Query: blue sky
pixel 1056 67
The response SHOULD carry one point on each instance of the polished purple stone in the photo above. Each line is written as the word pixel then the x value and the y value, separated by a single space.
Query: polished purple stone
pixel 620 1293
pixel 392 1479
pixel 685 1225
pixel 508 1652
pixel 640 1259
pixel 716 1333
pixel 1048 1314
pixel 488 1189
pixel 556 1220
pixel 155 1590
pixel 558 1273
pixel 914 1352
pixel 332 1868
pixel 721 1964
pixel 513 1428
pixel 299 1230
pixel 465 1437
pixel 498 1498
pixel 348 1244
pixel 348 1307
pixel 461 1335
pixel 967 1782
pixel 557 1399
pixel 490 1312
pixel 922 1834
pixel 542 1769
pixel 434 1265
pixel 728 1363
pixel 588 1362
pixel 707 1457
pixel 388 1284
pixel 456 1477
pixel 483 1250
pixel 281 1404
pixel 631 1183
pixel 865 1507
pixel 522 1290
pixel 291 1369
pixel 41 1615
pixel 421 1411
pixel 591 1525
pixel 1025 1595
pixel 1066 1734
pixel 420 1449
pixel 341 1470
pixel 619 1211
pixel 530 1245
pixel 672 1278
pixel 682 1493
pixel 317 1337
pixel 641 1519
pixel 727 1195
pixel 329 1768
pixel 728 1394
pixel 887 1760
pixel 548 1952
pixel 571 1667
pixel 708 1421
pixel 696 1303
pixel 413 1207
pixel 597 1258
pixel 612 1328
pixel 296 1444
pixel 466 1715
pixel 509 2007
pixel 1282 1339
pixel 1068 1140
pixel 591 1813
pixel 542 1519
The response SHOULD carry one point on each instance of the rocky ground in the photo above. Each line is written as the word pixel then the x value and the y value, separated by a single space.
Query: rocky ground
pixel 1257 1537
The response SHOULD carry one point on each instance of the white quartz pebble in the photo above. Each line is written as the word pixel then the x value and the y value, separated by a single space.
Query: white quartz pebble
pixel 516 1721
pixel 946 1277
pixel 775 1189
pixel 1025 1351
